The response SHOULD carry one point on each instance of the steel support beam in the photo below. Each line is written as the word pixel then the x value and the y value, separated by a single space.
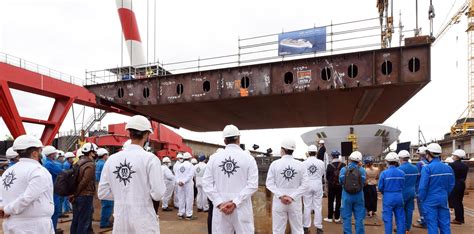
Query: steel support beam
pixel 9 112
pixel 58 113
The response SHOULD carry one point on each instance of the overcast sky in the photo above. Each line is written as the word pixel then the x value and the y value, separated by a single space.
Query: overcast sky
pixel 77 35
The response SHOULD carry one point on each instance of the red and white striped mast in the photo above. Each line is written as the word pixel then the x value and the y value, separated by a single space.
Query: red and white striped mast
pixel 130 32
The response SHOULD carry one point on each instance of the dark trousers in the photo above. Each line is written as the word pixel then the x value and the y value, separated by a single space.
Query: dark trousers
pixel 370 197
pixel 209 217
pixel 82 215
pixel 455 199
pixel 334 193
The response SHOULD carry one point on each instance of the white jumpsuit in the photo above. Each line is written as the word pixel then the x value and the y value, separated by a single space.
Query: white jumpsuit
pixel 185 174
pixel 231 175
pixel 132 178
pixel 175 192
pixel 169 183
pixel 287 176
pixel 27 196
pixel 201 199
pixel 313 198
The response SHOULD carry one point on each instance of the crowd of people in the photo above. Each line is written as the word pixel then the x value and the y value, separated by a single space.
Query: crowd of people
pixel 131 182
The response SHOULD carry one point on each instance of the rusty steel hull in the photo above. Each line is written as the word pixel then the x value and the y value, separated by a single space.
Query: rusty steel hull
pixel 315 91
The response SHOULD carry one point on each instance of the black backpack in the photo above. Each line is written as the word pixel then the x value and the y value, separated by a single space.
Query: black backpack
pixel 353 181
pixel 336 172
pixel 66 182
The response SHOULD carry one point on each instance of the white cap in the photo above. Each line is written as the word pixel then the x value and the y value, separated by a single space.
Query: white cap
pixel 60 153
pixel 10 154
pixel 356 156
pixel 140 123
pixel 312 148
pixel 434 148
pixel 101 152
pixel 421 150
pixel 288 144
pixel 79 152
pixel 166 160
pixel 449 159
pixel 403 154
pixel 49 149
pixel 24 142
pixel 88 147
pixel 194 161
pixel 187 155
pixel 179 156
pixel 69 155
pixel 391 157
pixel 230 131
pixel 321 141
pixel 459 153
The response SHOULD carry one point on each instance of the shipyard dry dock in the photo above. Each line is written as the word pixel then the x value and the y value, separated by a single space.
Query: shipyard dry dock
pixel 354 88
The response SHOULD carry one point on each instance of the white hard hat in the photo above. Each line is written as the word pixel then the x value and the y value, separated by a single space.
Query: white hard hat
pixel 60 154
pixel 321 141
pixel 140 123
pixel 187 155
pixel 421 150
pixel 403 154
pixel 194 161
pixel 69 155
pixel 391 157
pixel 289 144
pixel 180 156
pixel 312 148
pixel 10 154
pixel 166 160
pixel 79 152
pixel 356 156
pixel 101 152
pixel 230 131
pixel 24 142
pixel 449 160
pixel 460 153
pixel 434 148
pixel 49 149
pixel 88 147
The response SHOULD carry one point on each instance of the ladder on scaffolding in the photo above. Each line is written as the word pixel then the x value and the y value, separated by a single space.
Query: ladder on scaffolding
pixel 72 142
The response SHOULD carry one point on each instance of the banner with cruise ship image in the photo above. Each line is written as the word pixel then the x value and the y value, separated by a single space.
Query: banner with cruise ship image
pixel 302 41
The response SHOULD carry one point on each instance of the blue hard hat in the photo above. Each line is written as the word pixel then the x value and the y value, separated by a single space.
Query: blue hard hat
pixel 201 157
pixel 368 159
pixel 335 153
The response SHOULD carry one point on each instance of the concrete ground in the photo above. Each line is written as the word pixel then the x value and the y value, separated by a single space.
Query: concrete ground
pixel 262 213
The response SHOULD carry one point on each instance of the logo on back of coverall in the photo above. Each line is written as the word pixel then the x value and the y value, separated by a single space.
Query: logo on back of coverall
pixel 198 170
pixel 312 169
pixel 182 169
pixel 124 172
pixel 8 180
pixel 229 166
pixel 289 173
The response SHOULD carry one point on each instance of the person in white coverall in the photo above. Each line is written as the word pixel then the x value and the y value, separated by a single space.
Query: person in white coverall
pixel 179 156
pixel 287 179
pixel 132 178
pixel 313 198
pixel 184 180
pixel 26 193
pixel 169 182
pixel 230 179
pixel 201 199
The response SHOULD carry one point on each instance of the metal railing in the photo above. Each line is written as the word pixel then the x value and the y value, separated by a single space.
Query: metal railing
pixel 34 67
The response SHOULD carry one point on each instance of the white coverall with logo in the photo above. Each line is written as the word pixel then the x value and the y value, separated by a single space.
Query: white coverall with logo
pixel 201 199
pixel 175 192
pixel 26 195
pixel 231 175
pixel 185 174
pixel 132 178
pixel 169 183
pixel 287 176
pixel 313 198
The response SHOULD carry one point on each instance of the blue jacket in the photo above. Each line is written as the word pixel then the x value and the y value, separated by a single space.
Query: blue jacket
pixel 53 168
pixel 98 169
pixel 411 176
pixel 67 165
pixel 420 166
pixel 436 183
pixel 391 180
pixel 342 174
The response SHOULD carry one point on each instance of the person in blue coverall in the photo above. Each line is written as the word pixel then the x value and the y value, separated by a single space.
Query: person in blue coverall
pixel 391 183
pixel 54 169
pixel 107 206
pixel 436 183
pixel 421 152
pixel 411 176
pixel 353 202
